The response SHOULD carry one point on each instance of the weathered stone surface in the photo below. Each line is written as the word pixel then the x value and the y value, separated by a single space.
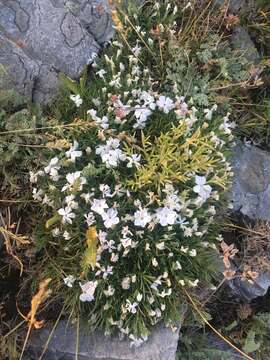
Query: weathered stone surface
pixel 213 342
pixel 242 42
pixel 248 291
pixel 235 6
pixel 251 196
pixel 39 39
pixel 161 345
pixel 251 187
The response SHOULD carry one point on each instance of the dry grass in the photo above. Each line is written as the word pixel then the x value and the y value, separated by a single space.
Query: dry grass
pixel 256 247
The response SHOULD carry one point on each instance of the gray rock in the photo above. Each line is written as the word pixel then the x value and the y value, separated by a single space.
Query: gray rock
pixel 39 39
pixel 250 196
pixel 242 42
pixel 161 345
pixel 248 291
pixel 251 186
pixel 214 343
pixel 235 6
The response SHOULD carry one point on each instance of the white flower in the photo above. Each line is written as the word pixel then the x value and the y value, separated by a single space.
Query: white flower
pixel 106 190
pixel 188 232
pixel 110 218
pixel 56 232
pixel 67 215
pixel 136 50
pixel 109 292
pixel 87 197
pixel 166 104
pixel 201 188
pixel 103 122
pixel 93 114
pixel 131 307
pixel 125 283
pixel 209 112
pixel 89 218
pixel 76 99
pixel 72 179
pixel 177 265
pixel 107 271
pixel 99 206
pixel 184 249
pixel 193 283
pixel 52 169
pixel 114 258
pixel 139 297
pixel 160 246
pixel 37 194
pixel 141 114
pixel 137 342
pixel 69 281
pixel 47 201
pixel 226 126
pixel 33 177
pixel 134 160
pixel 66 235
pixel 172 201
pixel 73 153
pixel 88 150
pixel 70 202
pixel 92 58
pixel 110 154
pixel 142 218
pixel 101 73
pixel 193 252
pixel 154 262
pixel 126 242
pixel 148 100
pixel 166 216
pixel 88 290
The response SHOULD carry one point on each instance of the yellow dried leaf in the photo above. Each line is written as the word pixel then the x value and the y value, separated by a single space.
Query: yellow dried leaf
pixel 90 254
pixel 50 222
pixel 58 144
pixel 91 241
pixel 42 295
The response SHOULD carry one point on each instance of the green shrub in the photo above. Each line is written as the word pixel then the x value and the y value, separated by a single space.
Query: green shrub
pixel 129 208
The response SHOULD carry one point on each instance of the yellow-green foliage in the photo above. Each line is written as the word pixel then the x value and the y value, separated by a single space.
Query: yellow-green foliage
pixel 174 155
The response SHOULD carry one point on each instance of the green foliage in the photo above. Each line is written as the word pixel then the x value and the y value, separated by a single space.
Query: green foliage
pixel 197 346
pixel 154 151
pixel 257 339
pixel 176 154
pixel 16 148
pixel 254 124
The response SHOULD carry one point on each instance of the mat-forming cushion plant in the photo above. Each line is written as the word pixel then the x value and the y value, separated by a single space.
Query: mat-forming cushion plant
pixel 129 208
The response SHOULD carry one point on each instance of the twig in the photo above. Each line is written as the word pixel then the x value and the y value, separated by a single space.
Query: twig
pixel 51 334
pixel 48 128
pixel 215 330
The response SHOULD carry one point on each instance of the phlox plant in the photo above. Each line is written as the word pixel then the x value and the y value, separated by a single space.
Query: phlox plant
pixel 129 208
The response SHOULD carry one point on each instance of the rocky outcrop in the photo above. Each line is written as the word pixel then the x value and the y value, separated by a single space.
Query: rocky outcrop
pixel 161 345
pixel 242 42
pixel 235 6
pixel 251 188
pixel 250 196
pixel 39 39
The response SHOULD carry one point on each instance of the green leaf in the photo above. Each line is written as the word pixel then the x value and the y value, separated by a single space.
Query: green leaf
pixel 83 79
pixel 53 220
pixel 250 344
pixel 72 85
pixel 231 326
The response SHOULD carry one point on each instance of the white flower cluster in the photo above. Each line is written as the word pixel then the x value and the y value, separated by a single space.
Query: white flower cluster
pixel 146 238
